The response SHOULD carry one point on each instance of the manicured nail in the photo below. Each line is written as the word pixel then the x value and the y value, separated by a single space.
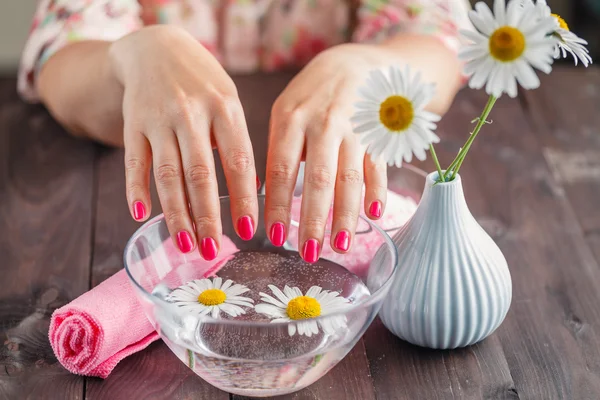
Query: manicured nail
pixel 310 253
pixel 257 183
pixel 342 241
pixel 375 209
pixel 185 242
pixel 139 211
pixel 278 234
pixel 208 249
pixel 245 228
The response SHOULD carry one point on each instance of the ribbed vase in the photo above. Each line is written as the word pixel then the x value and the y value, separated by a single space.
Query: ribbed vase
pixel 453 286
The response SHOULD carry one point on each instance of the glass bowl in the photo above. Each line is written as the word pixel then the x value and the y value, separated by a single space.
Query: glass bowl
pixel 249 355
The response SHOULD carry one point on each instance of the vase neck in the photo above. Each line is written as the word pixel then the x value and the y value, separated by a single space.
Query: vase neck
pixel 444 196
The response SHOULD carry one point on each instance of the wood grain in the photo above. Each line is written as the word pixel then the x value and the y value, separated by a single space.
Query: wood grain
pixel 46 218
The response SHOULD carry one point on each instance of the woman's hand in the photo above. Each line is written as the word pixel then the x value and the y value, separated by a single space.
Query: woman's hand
pixel 311 120
pixel 178 102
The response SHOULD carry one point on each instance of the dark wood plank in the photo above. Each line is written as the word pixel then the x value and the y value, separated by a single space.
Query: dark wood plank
pixel 549 338
pixel 403 371
pixel 565 112
pixel 46 218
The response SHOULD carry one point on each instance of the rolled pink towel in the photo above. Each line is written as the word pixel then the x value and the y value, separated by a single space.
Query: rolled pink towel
pixel 90 335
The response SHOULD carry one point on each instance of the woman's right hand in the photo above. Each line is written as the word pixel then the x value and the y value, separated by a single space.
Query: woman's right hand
pixel 178 103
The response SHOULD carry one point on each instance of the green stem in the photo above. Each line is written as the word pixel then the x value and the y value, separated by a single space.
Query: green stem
pixel 460 157
pixel 449 169
pixel 480 123
pixel 437 163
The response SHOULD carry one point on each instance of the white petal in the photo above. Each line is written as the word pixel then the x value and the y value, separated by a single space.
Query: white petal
pixel 313 291
pixel 291 329
pixel 382 82
pixel 365 127
pixel 215 312
pixel 232 310
pixel 289 292
pixel 500 12
pixel 217 282
pixel 526 75
pixel 270 299
pixel 298 292
pixel 236 289
pixel 270 310
pixel 226 285
pixel 473 36
pixel 368 94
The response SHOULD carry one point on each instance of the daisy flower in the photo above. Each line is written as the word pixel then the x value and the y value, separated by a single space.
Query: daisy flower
pixel 506 46
pixel 211 296
pixel 391 116
pixel 291 305
pixel 568 42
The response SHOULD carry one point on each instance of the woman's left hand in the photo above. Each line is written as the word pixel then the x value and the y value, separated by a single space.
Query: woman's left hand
pixel 311 121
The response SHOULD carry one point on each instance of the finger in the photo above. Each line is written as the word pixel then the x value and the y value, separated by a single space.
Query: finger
pixel 375 187
pixel 168 174
pixel 201 184
pixel 348 191
pixel 138 159
pixel 321 163
pixel 283 159
pixel 237 157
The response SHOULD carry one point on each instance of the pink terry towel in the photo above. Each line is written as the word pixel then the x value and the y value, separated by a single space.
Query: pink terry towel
pixel 94 332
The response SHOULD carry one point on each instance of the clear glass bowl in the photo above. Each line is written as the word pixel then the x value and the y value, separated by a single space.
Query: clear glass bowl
pixel 249 355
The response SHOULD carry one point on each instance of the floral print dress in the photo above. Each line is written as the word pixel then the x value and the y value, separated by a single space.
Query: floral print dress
pixel 245 35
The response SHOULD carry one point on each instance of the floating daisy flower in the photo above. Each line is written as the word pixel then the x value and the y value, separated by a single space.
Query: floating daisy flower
pixel 568 42
pixel 290 305
pixel 391 116
pixel 506 46
pixel 211 296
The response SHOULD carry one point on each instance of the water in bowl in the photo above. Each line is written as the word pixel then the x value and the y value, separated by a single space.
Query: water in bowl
pixel 254 361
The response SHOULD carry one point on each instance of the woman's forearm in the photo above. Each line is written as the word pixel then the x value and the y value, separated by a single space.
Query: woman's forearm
pixel 81 91
pixel 437 63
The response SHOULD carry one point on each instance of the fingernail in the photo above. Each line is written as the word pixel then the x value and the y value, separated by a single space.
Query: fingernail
pixel 342 241
pixel 310 253
pixel 185 242
pixel 278 234
pixel 375 209
pixel 208 248
pixel 245 228
pixel 257 183
pixel 139 211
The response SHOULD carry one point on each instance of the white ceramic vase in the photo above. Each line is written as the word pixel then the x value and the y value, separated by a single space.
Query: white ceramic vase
pixel 453 286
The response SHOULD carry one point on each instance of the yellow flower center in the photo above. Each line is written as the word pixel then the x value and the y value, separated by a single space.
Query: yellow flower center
pixel 507 44
pixel 563 24
pixel 396 113
pixel 212 297
pixel 303 307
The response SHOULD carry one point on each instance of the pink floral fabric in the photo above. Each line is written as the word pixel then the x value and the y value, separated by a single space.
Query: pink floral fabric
pixel 245 35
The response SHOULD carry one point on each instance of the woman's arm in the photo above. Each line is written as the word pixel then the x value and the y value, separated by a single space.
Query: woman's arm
pixel 79 87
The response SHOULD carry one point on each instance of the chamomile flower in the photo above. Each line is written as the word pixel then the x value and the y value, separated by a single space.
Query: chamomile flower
pixel 568 42
pixel 506 47
pixel 290 305
pixel 391 117
pixel 211 296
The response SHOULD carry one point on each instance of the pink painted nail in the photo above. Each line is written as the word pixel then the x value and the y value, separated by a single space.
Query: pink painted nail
pixel 139 211
pixel 278 234
pixel 375 209
pixel 342 241
pixel 208 248
pixel 245 227
pixel 185 242
pixel 310 253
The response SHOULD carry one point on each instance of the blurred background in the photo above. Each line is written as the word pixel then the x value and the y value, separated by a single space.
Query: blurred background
pixel 583 16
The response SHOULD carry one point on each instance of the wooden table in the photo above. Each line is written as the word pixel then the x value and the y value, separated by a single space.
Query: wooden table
pixel 533 181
